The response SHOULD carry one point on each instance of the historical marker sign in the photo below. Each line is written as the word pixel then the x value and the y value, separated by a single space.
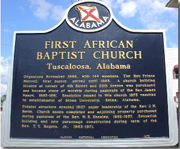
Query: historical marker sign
pixel 89 81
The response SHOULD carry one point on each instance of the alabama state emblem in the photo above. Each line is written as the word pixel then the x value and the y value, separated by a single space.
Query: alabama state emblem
pixel 89 16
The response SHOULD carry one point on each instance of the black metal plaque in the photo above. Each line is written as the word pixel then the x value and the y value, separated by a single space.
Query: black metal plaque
pixel 89 78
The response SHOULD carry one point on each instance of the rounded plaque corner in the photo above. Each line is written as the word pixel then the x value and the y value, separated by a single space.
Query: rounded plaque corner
pixel 173 142
pixel 5 142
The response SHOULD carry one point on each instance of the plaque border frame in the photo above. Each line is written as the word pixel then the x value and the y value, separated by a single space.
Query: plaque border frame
pixel 6 141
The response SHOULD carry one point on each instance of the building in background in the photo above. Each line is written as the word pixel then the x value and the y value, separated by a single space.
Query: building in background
pixel 172 67
pixel 172 3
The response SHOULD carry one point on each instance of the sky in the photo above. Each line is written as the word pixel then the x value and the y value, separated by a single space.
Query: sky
pixel 40 15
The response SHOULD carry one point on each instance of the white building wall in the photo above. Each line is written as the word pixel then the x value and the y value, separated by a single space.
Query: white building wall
pixel 171 61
